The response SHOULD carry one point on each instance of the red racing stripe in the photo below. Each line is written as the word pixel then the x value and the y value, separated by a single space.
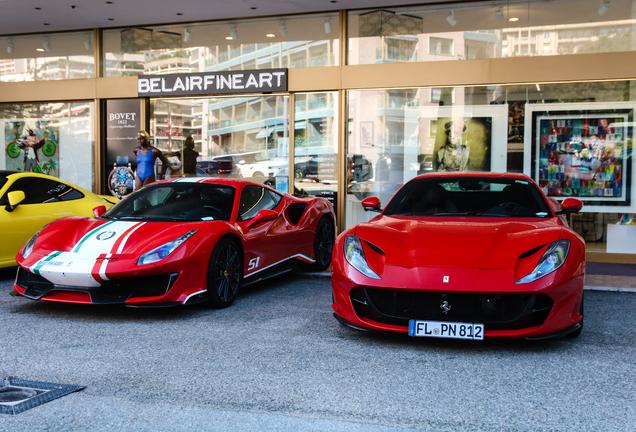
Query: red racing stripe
pixel 96 267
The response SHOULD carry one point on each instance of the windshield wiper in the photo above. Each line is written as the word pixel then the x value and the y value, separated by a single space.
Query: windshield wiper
pixel 133 218
pixel 469 213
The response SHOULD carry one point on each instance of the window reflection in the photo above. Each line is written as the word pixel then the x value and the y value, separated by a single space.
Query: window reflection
pixel 47 57
pixel 223 46
pixel 478 31
pixel 397 134
pixel 315 145
pixel 236 137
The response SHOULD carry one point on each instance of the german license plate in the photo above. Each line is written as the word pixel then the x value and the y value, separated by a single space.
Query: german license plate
pixel 450 330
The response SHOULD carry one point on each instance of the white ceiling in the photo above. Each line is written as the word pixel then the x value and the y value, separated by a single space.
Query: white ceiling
pixel 37 16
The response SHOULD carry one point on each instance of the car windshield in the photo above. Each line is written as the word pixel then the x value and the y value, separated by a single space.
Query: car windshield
pixel 178 201
pixel 469 196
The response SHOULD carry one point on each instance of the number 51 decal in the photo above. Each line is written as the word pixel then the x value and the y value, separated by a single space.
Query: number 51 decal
pixel 253 263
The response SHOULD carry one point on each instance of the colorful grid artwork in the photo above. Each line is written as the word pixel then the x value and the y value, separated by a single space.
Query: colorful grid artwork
pixel 581 157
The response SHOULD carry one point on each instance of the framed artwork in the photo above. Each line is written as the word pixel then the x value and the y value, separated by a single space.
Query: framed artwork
pixel 32 146
pixel 473 138
pixel 581 151
pixel 463 144
pixel 366 134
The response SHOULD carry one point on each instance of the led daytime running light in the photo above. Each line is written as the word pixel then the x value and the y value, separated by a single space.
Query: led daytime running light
pixel 551 260
pixel 28 247
pixel 163 251
pixel 354 254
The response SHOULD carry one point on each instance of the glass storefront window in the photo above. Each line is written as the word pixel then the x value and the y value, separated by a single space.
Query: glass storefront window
pixel 573 139
pixel 495 30
pixel 50 138
pixel 44 57
pixel 316 145
pixel 282 42
pixel 240 137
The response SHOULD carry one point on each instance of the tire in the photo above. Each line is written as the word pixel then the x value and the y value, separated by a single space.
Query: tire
pixel 225 274
pixel 323 246
pixel 576 333
pixel 258 174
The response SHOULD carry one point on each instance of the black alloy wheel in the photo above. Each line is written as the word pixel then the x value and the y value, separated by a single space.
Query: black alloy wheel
pixel 323 245
pixel 225 274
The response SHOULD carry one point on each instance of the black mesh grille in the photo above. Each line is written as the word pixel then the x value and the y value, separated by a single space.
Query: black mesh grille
pixel 35 286
pixel 497 311
pixel 149 286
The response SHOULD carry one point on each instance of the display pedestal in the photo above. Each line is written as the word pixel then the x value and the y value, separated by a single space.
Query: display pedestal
pixel 621 239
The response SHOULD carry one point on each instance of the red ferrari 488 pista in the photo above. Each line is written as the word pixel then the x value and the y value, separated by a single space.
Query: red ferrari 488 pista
pixel 177 242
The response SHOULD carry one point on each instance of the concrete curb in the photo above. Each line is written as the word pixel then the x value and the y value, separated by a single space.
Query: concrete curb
pixel 603 288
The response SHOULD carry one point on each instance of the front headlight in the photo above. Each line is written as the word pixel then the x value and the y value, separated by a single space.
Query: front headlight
pixel 354 254
pixel 551 260
pixel 28 247
pixel 164 250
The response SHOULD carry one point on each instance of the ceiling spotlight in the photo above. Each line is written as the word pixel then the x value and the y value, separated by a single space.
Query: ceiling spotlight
pixel 87 42
pixel 233 32
pixel 282 28
pixel 10 47
pixel 513 19
pixel 605 5
pixel 499 14
pixel 270 35
pixel 186 35
pixel 47 45
pixel 328 25
pixel 450 18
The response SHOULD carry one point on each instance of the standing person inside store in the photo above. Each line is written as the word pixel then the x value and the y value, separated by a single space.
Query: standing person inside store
pixel 146 156
pixel 189 158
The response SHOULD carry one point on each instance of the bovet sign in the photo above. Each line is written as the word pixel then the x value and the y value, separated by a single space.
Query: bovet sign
pixel 212 83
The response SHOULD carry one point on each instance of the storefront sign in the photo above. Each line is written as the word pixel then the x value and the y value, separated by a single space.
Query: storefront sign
pixel 209 83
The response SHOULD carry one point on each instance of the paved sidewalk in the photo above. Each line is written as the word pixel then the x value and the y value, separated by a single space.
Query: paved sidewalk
pixel 610 283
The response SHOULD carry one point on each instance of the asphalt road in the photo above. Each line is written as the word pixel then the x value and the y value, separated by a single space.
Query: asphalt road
pixel 278 361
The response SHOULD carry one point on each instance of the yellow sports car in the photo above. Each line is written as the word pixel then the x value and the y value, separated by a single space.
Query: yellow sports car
pixel 28 201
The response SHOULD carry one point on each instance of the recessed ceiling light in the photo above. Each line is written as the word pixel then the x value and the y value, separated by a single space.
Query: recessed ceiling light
pixel 179 13
pixel 513 19
pixel 270 35
pixel 111 19
pixel 46 24
pixel 109 2
pixel 253 8
pixel 40 49
pixel 38 8
pixel 229 38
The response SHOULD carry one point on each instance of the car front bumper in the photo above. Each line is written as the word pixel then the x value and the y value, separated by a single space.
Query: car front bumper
pixel 545 307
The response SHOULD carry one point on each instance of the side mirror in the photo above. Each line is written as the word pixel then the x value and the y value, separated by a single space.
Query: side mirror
pixel 371 204
pixel 262 217
pixel 571 205
pixel 15 198
pixel 99 211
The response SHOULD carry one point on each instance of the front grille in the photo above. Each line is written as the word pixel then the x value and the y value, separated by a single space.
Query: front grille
pixel 112 291
pixel 25 278
pixel 148 286
pixel 495 311
pixel 35 286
